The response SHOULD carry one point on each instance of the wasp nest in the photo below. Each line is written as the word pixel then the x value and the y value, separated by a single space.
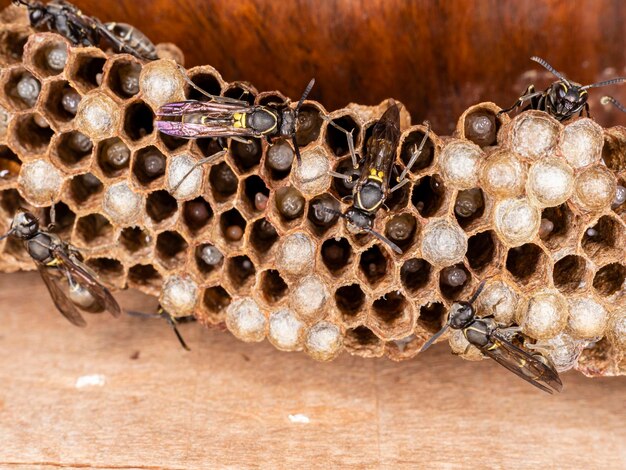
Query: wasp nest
pixel 534 206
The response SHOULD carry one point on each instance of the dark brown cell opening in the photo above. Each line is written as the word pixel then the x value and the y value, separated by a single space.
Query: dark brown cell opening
pixel 40 58
pixel 11 202
pixel 453 279
pixel 350 300
pixel 527 263
pixel 12 46
pixel 609 279
pixel 481 250
pixel 232 225
pixel 209 146
pixel 216 263
pixel 415 274
pixel 205 81
pixel 401 230
pixel 410 146
pixel 149 165
pixel 343 188
pixel 73 148
pixel 361 336
pixel 614 152
pixel 197 214
pixel 144 275
pixel 246 155
pixel 87 70
pixel 161 205
pixel 138 121
pixel 481 127
pixel 272 286
pixel 172 143
pixel 400 197
pixel 469 207
pixel 569 273
pixel 171 248
pixel 263 236
pixel 289 203
pixel 309 125
pixel 337 140
pixel 11 86
pixel 561 218
pixel 367 133
pixel 216 299
pixel 94 230
pixel 123 78
pixel 135 239
pixel 10 164
pixel 108 269
pixel 320 219
pixel 256 193
pixel 54 101
pixel 64 218
pixel 223 182
pixel 389 308
pixel 241 91
pixel 85 187
pixel 373 265
pixel 432 316
pixel 336 255
pixel 113 157
pixel 31 136
pixel 269 98
pixel 240 271
pixel 428 195
pixel 603 238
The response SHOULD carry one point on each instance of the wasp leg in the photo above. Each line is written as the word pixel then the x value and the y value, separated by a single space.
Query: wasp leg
pixel 527 95
pixel 243 141
pixel 199 163
pixel 53 218
pixel 349 138
pixel 340 176
pixel 416 153
pixel 509 332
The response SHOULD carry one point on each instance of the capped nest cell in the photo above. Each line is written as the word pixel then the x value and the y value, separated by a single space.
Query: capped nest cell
pixel 534 207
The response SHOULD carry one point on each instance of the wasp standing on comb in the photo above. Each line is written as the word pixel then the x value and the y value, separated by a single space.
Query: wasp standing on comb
pixel 563 99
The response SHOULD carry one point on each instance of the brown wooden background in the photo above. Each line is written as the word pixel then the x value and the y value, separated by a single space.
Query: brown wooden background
pixel 437 57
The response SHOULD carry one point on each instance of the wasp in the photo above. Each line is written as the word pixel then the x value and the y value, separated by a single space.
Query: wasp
pixel 494 341
pixel 56 259
pixel 170 319
pixel 563 99
pixel 374 174
pixel 80 29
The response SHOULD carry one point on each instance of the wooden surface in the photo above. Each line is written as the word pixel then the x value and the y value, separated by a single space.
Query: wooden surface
pixel 227 404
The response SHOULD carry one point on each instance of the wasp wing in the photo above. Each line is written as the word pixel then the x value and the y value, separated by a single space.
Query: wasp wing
pixel 524 365
pixel 82 276
pixel 218 107
pixel 60 299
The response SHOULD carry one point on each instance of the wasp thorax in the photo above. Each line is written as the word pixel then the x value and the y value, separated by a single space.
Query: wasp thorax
pixel 461 315
pixel 24 225
pixel 370 196
pixel 262 120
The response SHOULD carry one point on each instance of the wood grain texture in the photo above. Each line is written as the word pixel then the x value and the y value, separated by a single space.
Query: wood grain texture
pixel 227 404
pixel 437 57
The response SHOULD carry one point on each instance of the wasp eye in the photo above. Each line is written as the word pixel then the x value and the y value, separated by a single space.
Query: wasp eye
pixel 36 15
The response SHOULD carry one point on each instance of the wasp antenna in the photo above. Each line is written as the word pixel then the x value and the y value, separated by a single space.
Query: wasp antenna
pixel 9 233
pixel 434 338
pixel 613 81
pixel 192 84
pixel 479 289
pixel 307 90
pixel 385 240
pixel 550 69
pixel 610 100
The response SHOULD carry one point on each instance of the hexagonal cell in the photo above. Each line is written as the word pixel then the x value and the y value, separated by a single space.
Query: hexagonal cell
pixel 85 188
pixel 527 264
pixel 373 265
pixel 569 274
pixel 109 270
pixel 390 311
pixel 556 226
pixel 21 88
pixel 72 150
pixel 336 255
pixel 205 81
pixel 144 275
pixel 361 339
pixel 415 275
pixel 9 165
pixel 255 194
pixel 279 159
pixel 135 239
pixel 453 280
pixel 172 143
pixel 161 205
pixel 401 229
pixel 223 182
pixel 289 203
pixel 208 259
pixel 609 279
pixel 263 236
pixel 342 187
pixel 322 220
pixel 337 140
pixel 232 225
pixel 309 125
pixel 350 300
pixel 432 316
pixel 197 214
pixel 246 155
pixel 481 250
pixel 241 272
pixel 273 287
pixel 138 121
pixel 12 46
pixel 614 149
pixel 50 59
pixel 605 238
pixel 86 71
pixel 171 249
pixel 113 157
pixel 410 145
pixel 216 299
pixel 469 207
pixel 123 78
pixel 428 195
pixel 30 135
pixel 64 219
pixel 61 101
pixel 149 166
pixel 481 126
pixel 94 230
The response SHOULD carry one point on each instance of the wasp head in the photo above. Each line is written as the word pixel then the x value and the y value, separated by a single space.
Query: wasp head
pixel 566 99
pixel 461 315
pixel 25 225
pixel 358 220
pixel 287 122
